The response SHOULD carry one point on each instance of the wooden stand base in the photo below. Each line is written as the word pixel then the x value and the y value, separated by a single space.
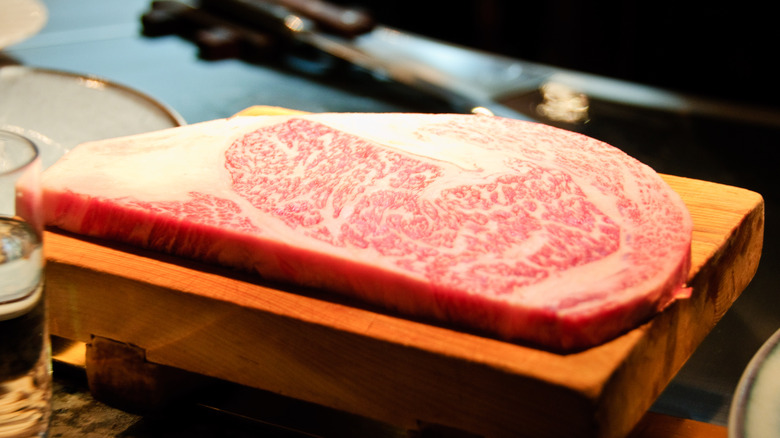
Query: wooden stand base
pixel 119 375
pixel 166 313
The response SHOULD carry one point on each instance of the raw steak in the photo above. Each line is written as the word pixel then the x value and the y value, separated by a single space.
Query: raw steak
pixel 512 228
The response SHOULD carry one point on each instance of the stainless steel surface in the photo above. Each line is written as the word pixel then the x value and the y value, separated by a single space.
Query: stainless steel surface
pixel 727 144
pixel 469 78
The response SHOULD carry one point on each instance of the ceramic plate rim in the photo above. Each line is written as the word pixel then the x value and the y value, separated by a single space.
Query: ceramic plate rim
pixel 741 401
pixel 166 115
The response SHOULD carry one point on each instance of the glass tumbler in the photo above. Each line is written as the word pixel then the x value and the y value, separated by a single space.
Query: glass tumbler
pixel 25 355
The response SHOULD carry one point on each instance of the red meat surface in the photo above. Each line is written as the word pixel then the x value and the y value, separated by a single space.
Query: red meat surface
pixel 514 229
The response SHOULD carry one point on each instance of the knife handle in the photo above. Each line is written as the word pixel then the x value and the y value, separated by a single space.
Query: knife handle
pixel 330 17
pixel 216 37
pixel 271 14
pixel 265 15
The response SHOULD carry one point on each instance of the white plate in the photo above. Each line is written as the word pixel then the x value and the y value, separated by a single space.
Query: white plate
pixel 59 110
pixel 755 410
pixel 20 19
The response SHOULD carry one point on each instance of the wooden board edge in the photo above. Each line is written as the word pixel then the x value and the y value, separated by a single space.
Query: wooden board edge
pixel 716 284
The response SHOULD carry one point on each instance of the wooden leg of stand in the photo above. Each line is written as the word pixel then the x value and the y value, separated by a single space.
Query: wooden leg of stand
pixel 119 375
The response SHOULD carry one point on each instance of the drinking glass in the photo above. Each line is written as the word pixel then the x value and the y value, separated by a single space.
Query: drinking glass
pixel 25 356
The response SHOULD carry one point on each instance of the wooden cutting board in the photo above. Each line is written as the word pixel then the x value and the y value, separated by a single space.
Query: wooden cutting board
pixel 315 347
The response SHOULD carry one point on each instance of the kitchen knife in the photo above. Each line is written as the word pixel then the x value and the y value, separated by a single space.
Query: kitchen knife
pixel 469 79
pixel 385 53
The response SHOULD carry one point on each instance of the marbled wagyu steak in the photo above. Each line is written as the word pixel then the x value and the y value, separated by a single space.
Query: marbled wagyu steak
pixel 512 228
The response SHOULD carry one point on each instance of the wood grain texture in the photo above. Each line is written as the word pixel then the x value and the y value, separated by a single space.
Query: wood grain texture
pixel 319 348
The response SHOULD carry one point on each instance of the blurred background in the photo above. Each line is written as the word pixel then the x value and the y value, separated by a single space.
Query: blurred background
pixel 717 49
